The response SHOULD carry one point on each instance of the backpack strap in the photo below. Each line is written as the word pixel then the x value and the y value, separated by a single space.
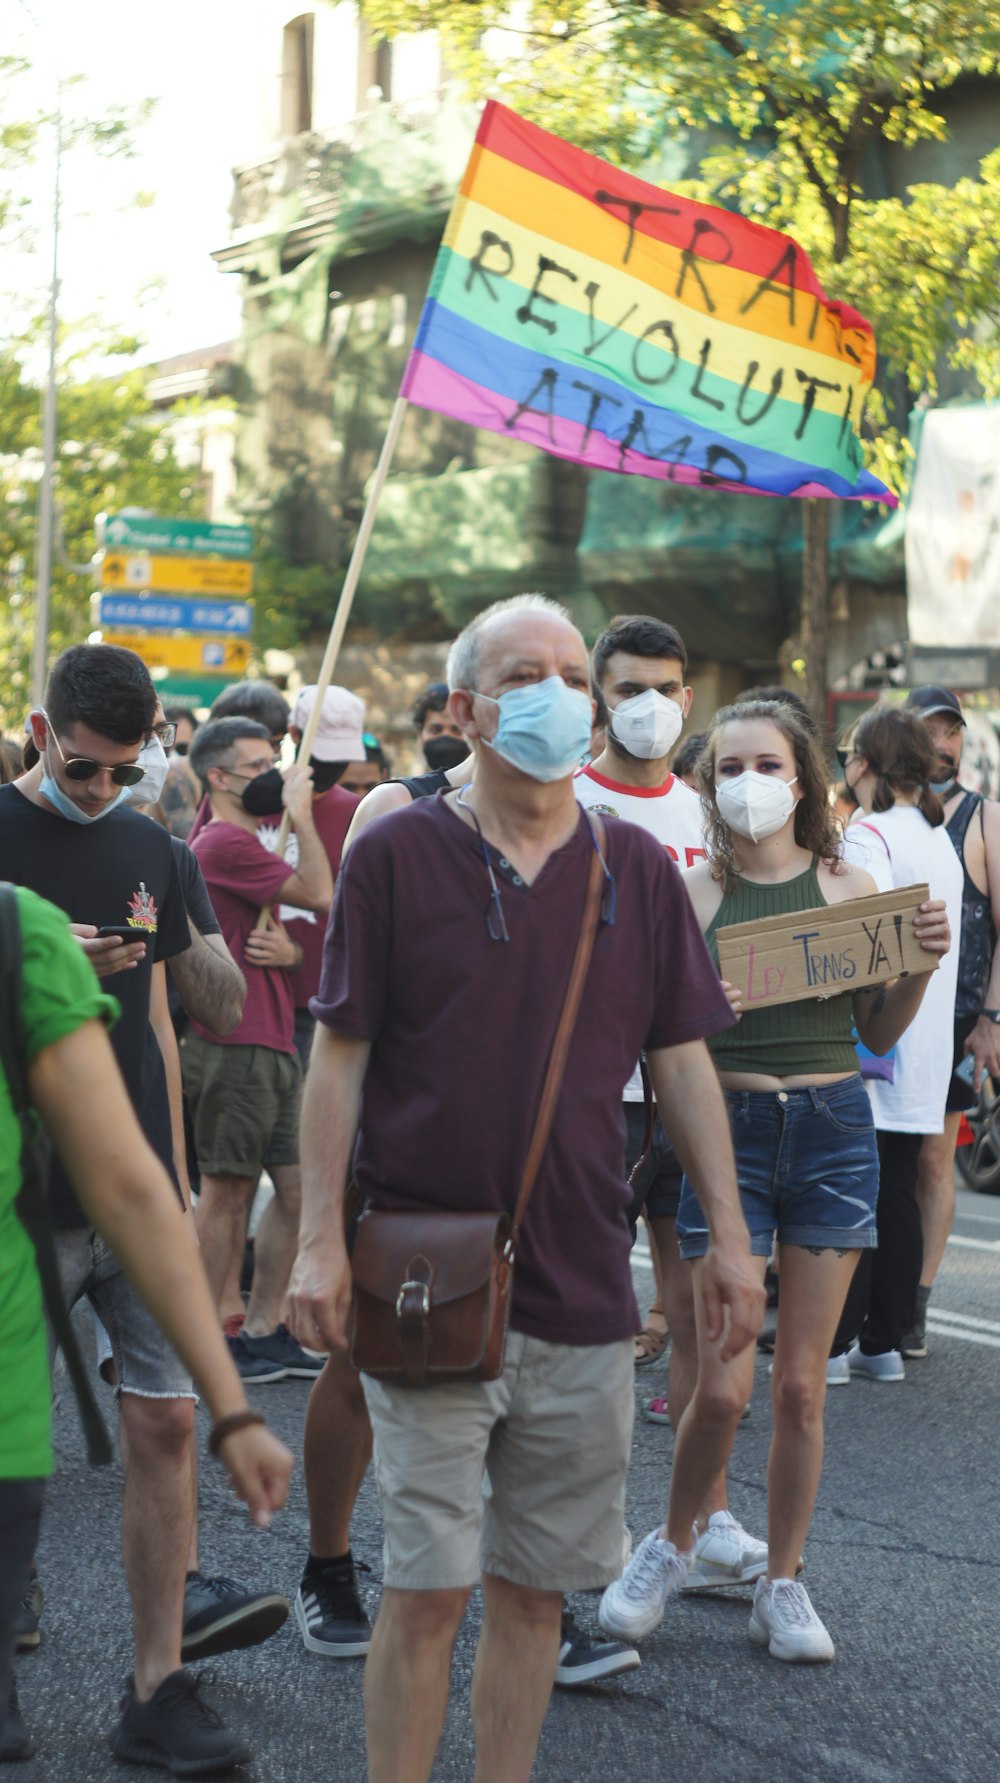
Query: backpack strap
pixel 31 1204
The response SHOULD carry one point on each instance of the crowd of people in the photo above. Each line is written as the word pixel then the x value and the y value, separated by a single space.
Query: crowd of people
pixel 259 999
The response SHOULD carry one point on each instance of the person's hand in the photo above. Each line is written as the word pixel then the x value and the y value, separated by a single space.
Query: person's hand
pixel 931 926
pixel 298 791
pixel 259 1469
pixel 735 996
pixel 984 1044
pixel 273 947
pixel 107 953
pixel 319 1296
pixel 733 1296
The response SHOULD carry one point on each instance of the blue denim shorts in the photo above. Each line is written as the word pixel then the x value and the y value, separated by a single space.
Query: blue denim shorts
pixel 807 1166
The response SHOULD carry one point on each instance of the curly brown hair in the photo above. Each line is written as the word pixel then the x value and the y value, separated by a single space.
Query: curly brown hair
pixel 815 825
pixel 896 745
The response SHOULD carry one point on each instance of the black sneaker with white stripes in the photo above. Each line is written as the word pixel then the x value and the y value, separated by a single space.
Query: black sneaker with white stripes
pixel 330 1613
pixel 586 1660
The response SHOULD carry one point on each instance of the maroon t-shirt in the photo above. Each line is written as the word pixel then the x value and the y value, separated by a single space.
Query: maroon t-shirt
pixel 331 812
pixel 461 1028
pixel 242 877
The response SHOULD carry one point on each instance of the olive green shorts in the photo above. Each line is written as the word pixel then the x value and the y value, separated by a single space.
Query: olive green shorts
pixel 244 1103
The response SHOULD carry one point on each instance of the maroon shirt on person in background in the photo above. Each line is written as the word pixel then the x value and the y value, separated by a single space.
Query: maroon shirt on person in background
pixel 461 1028
pixel 332 812
pixel 242 877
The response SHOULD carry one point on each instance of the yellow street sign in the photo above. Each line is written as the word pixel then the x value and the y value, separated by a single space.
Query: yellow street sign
pixel 199 655
pixel 175 575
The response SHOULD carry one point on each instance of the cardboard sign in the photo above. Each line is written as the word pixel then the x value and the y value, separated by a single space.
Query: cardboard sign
pixel 821 952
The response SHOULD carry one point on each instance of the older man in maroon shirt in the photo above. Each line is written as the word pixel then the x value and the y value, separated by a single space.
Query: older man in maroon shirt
pixel 453 929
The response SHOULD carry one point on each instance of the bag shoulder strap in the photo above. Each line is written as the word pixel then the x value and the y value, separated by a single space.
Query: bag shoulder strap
pixel 564 1030
pixel 31 1205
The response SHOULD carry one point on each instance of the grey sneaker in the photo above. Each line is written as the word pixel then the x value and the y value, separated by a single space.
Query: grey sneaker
pixel 221 1616
pixel 885 1368
pixel 634 1604
pixel 176 1729
pixel 586 1659
pixel 784 1621
pixel 838 1371
pixel 28 1617
pixel 724 1555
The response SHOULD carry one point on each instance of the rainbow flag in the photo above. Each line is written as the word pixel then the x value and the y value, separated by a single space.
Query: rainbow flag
pixel 617 324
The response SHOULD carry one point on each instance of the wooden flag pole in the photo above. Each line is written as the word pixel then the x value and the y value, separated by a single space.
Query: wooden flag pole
pixel 343 612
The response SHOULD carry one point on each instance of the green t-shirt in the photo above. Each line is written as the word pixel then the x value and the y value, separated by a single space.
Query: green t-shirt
pixel 59 992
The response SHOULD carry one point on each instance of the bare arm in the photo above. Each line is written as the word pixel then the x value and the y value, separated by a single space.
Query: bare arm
pixel 310 887
pixel 166 1040
pixel 212 988
pixel 320 1290
pixel 693 1111
pixel 177 806
pixel 77 1089
pixel 376 803
pixel 984 1041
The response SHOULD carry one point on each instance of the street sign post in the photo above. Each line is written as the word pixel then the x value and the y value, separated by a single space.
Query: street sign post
pixel 174 575
pixel 161 613
pixel 231 656
pixel 153 533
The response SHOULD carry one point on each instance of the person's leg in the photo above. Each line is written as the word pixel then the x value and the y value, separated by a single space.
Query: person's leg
pixel 221 1221
pixel 897 1261
pixel 678 1307
pixel 157 1519
pixel 936 1195
pixel 337 1450
pixel 406 1681
pixel 705 1436
pixel 20 1520
pixel 274 1247
pixel 512 1680
pixel 813 1289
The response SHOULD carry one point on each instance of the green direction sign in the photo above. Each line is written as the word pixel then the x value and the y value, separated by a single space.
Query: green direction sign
pixel 151 532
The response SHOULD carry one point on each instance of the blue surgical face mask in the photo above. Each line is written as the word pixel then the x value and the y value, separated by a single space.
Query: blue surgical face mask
pixel 64 804
pixel 544 729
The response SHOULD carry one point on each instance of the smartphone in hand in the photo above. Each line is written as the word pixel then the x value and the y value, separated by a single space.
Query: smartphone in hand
pixel 122 931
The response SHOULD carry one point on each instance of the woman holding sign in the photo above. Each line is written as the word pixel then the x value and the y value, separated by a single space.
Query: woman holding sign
pixel 805 1150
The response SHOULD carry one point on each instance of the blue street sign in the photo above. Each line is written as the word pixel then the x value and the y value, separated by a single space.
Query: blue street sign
pixel 176 613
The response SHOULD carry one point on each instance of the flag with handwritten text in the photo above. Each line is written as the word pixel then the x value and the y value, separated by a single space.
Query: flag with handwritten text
pixel 618 324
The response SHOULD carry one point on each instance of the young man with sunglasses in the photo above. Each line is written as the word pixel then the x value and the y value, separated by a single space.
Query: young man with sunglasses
pixel 68 832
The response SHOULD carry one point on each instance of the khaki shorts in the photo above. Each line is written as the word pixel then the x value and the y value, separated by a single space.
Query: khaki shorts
pixel 523 1477
pixel 244 1103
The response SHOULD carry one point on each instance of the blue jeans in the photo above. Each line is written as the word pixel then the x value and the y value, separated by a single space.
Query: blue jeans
pixel 807 1167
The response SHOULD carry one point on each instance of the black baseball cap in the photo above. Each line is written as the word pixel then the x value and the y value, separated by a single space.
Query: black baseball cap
pixel 928 700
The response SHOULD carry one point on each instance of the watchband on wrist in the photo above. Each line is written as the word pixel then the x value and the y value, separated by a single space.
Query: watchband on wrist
pixel 991 1015
pixel 228 1426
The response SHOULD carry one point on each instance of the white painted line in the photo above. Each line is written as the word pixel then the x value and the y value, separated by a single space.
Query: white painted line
pixel 963 1318
pixel 982 1219
pixel 989 1343
pixel 975 1244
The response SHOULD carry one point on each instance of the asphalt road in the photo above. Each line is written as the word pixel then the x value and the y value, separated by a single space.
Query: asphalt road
pixel 903 1564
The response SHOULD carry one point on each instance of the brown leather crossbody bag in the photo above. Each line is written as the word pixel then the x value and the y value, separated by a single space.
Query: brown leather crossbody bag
pixel 432 1291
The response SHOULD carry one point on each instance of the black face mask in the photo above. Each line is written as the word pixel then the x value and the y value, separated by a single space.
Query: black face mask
pixel 442 753
pixel 262 796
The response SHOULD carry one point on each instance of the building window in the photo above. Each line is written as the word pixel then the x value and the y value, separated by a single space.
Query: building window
pixel 297 76
pixel 374 67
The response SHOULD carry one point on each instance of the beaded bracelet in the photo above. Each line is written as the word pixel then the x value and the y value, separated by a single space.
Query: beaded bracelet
pixel 224 1427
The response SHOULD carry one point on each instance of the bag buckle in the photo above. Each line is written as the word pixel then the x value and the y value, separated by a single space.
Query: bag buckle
pixel 507 1253
pixel 425 1293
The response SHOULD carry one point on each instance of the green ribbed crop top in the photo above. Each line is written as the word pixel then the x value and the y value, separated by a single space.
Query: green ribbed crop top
pixel 789 1039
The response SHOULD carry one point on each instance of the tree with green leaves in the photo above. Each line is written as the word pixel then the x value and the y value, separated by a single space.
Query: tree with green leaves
pixel 790 107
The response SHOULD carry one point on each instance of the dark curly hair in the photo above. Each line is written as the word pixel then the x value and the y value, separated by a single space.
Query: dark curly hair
pixel 815 825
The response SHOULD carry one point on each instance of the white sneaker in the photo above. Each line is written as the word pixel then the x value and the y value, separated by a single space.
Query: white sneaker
pixel 634 1604
pixel 838 1371
pixel 784 1621
pixel 724 1555
pixel 886 1367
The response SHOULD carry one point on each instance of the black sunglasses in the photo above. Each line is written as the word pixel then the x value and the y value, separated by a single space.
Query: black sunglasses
pixel 82 767
pixel 843 757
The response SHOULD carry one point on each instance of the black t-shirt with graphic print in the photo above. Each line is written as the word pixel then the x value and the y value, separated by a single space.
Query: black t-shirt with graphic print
pixel 120 869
